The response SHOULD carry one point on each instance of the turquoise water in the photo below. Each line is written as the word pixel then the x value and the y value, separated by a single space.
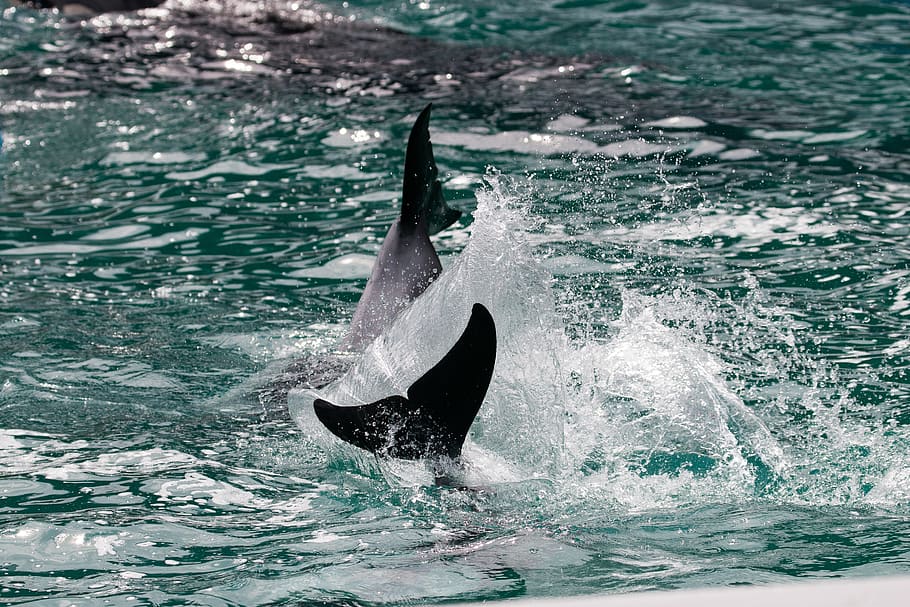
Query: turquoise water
pixel 689 219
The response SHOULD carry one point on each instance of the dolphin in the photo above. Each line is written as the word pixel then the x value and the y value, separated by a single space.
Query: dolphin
pixel 433 420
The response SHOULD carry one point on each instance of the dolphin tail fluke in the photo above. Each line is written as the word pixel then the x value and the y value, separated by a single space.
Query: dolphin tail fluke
pixel 434 419
pixel 422 193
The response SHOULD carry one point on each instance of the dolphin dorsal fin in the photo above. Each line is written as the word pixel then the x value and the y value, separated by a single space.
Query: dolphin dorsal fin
pixel 422 197
pixel 434 419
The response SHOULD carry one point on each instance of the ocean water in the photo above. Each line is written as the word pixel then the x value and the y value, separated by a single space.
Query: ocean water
pixel 690 220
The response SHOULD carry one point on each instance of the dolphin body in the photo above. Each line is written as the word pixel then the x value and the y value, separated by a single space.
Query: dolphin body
pixel 433 420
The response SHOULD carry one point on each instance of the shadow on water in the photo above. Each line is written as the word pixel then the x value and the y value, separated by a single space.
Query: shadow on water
pixel 257 50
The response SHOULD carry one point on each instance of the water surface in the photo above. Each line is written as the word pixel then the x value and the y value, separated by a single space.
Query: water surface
pixel 690 220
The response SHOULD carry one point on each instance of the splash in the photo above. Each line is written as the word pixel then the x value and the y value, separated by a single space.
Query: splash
pixel 641 418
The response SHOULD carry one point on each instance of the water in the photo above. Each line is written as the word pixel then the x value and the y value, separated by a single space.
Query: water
pixel 689 219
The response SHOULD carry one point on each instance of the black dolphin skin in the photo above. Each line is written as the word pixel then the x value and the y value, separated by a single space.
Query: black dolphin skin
pixel 434 419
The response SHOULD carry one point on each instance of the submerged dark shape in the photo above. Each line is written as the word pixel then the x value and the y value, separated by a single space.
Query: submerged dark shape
pixel 285 48
pixel 91 7
pixel 434 419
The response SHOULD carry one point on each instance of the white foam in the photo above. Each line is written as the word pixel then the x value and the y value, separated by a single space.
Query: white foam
pixel 118 233
pixel 706 147
pixel 835 137
pixel 548 144
pixel 784 224
pixel 808 137
pixel 739 154
pixel 352 138
pixel 522 142
pixel 155 242
pixel 567 265
pixel 144 462
pixel 893 487
pixel 340 172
